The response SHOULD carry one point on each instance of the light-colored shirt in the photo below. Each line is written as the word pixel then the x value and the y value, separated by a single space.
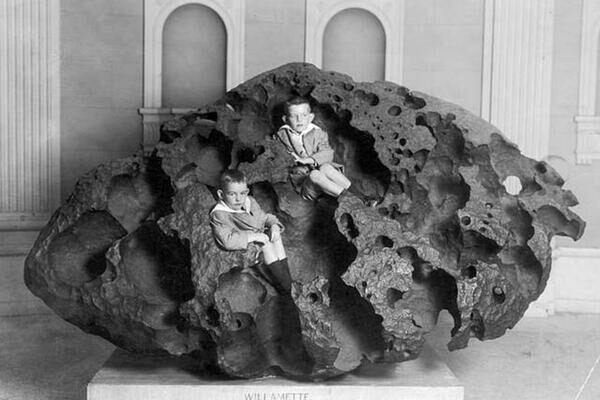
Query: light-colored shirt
pixel 231 227
pixel 313 142
pixel 297 141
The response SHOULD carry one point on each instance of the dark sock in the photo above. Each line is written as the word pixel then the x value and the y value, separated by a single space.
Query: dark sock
pixel 279 272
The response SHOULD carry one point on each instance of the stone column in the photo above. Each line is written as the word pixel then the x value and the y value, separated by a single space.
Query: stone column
pixel 516 87
pixel 29 112
pixel 517 71
pixel 587 118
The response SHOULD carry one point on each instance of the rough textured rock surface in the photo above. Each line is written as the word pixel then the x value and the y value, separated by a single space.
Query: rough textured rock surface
pixel 130 255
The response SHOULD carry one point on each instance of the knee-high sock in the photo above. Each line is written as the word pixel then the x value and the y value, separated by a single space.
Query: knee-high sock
pixel 279 272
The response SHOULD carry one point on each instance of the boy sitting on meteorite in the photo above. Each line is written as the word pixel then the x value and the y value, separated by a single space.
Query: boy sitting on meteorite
pixel 309 145
pixel 238 220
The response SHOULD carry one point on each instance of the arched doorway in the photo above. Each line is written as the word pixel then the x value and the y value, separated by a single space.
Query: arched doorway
pixel 194 61
pixel 357 52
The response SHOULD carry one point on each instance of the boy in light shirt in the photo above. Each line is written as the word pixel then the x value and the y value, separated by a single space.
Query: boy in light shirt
pixel 238 220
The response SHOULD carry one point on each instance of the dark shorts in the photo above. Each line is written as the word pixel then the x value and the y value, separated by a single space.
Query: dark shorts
pixel 299 175
pixel 303 185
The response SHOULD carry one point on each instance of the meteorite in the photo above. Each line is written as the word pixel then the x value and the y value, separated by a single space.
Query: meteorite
pixel 130 255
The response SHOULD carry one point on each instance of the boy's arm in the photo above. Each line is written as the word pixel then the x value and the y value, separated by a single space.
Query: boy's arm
pixel 225 235
pixel 322 152
pixel 281 134
pixel 269 219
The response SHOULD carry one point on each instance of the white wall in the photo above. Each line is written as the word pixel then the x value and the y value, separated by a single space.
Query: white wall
pixel 194 57
pixel 444 49
pixel 101 83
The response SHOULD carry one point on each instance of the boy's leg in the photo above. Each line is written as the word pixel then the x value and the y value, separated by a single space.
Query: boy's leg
pixel 276 270
pixel 335 175
pixel 328 186
pixel 279 249
pixel 310 191
pixel 279 274
pixel 269 253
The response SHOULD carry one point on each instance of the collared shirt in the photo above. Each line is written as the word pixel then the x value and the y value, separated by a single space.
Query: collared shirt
pixel 231 227
pixel 312 142
pixel 222 206
pixel 297 140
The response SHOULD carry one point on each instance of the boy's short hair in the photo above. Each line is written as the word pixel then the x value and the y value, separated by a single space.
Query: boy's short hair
pixel 295 101
pixel 232 176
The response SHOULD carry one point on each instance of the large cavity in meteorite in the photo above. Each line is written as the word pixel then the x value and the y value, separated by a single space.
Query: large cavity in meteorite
pixel 130 255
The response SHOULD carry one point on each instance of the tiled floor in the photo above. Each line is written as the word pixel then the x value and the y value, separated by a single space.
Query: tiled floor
pixel 42 357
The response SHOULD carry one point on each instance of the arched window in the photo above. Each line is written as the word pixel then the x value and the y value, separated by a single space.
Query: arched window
pixel 329 29
pixel 194 57
pixel 359 53
pixel 178 60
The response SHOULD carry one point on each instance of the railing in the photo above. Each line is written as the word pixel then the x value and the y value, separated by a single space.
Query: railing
pixel 152 118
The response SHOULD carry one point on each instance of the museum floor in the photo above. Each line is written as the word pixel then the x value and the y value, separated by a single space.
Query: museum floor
pixel 43 357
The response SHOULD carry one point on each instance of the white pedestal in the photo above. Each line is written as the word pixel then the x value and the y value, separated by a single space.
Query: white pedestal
pixel 133 377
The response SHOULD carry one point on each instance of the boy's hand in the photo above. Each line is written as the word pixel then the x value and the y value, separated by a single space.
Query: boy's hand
pixel 275 233
pixel 305 160
pixel 259 238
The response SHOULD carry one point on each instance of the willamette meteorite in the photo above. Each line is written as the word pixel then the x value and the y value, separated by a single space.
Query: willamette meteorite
pixel 130 256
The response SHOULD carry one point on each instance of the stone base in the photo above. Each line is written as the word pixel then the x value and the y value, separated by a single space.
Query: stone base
pixel 127 376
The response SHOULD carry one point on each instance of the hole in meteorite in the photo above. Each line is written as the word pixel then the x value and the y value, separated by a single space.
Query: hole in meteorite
pixel 414 102
pixel 241 320
pixel 249 154
pixel 390 345
pixel 392 295
pixel 478 247
pixel 408 253
pixel 348 225
pixel 355 149
pixel 344 85
pixel 212 315
pixel 469 272
pixel 541 167
pixel 394 111
pixel 384 241
pixel 477 327
pixel 344 115
pixel 421 158
pixel 402 141
pixel 499 295
pixel 158 264
pixel 370 98
pixel 313 297
pixel 465 220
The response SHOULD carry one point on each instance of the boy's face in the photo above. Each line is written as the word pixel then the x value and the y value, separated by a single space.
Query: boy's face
pixel 234 194
pixel 299 117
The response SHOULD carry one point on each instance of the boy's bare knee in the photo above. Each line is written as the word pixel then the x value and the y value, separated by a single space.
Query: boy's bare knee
pixel 315 175
pixel 327 168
